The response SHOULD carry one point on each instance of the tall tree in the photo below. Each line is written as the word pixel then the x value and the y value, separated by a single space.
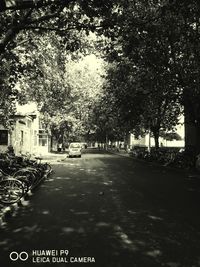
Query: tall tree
pixel 49 15
pixel 25 23
pixel 62 82
pixel 146 72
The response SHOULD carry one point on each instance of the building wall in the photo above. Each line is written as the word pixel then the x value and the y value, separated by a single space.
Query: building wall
pixel 25 137
pixel 36 140
pixel 28 135
pixel 22 136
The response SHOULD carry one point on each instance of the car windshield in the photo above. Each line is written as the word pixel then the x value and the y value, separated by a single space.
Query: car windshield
pixel 75 145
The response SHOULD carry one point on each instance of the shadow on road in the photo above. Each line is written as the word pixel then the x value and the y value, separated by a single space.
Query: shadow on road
pixel 88 207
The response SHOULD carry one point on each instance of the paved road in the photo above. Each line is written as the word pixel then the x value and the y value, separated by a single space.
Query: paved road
pixel 109 209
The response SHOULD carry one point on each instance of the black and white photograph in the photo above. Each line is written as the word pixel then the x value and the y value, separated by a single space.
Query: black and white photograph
pixel 100 133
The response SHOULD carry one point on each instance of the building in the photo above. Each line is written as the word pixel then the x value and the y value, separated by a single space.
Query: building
pixel 28 133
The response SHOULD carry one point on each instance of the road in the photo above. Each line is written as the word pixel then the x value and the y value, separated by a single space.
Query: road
pixel 107 211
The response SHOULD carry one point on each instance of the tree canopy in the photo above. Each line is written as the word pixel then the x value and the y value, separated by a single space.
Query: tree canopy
pixel 154 63
pixel 49 15
pixel 152 48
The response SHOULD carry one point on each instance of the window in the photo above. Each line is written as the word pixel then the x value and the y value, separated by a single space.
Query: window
pixel 3 137
pixel 43 138
pixel 22 138
pixel 75 145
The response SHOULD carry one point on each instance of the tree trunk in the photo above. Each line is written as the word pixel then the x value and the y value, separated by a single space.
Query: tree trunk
pixel 156 137
pixel 51 143
pixel 192 122
pixel 106 145
pixel 192 134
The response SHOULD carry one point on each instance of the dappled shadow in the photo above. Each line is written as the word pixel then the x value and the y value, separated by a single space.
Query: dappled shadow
pixel 92 212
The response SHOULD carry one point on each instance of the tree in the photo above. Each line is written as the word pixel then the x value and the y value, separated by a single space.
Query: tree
pixel 28 23
pixel 148 41
pixel 8 93
pixel 104 123
pixel 185 51
pixel 143 52
pixel 63 83
pixel 49 15
pixel 141 100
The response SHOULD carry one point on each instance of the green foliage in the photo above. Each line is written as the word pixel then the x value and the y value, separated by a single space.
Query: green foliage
pixel 8 93
pixel 38 36
pixel 155 67
pixel 152 47
pixel 63 84
pixel 105 121
pixel 53 16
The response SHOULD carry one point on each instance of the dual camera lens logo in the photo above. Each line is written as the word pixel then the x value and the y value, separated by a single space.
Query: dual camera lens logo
pixel 14 256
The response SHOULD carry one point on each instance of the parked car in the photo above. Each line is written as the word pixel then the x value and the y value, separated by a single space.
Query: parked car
pixel 74 150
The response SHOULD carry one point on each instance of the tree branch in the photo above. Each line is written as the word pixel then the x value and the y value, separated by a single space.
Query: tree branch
pixel 72 27
pixel 12 32
pixel 44 18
